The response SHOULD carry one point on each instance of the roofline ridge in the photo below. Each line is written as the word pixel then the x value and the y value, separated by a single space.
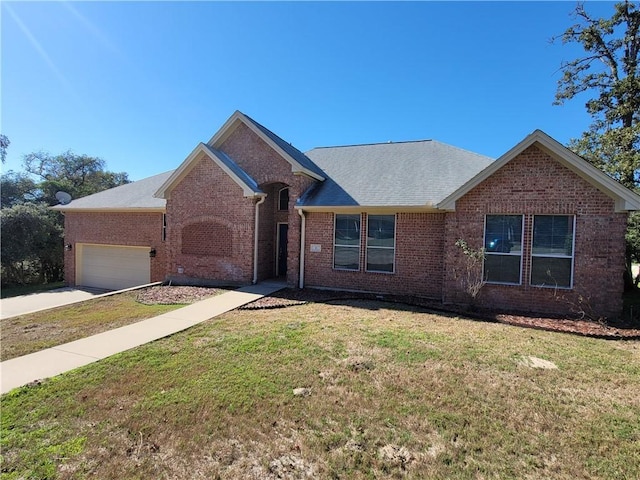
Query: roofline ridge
pixel 390 142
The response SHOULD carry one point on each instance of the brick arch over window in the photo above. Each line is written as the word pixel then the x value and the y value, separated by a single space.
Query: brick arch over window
pixel 207 238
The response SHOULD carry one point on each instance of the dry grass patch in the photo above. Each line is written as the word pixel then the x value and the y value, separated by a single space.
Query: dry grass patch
pixel 29 333
pixel 395 392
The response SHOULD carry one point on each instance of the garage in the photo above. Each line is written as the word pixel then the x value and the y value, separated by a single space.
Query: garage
pixel 112 267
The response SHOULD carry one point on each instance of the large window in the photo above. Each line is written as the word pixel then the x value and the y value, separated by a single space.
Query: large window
pixel 552 251
pixel 346 243
pixel 381 243
pixel 503 249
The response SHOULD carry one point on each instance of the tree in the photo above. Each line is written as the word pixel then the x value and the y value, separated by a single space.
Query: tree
pixel 16 188
pixel 78 175
pixel 31 248
pixel 609 69
pixel 4 144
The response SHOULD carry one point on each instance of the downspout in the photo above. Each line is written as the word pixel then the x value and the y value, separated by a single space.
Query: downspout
pixel 255 240
pixel 302 240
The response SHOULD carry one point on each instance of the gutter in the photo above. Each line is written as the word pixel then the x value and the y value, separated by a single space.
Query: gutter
pixel 303 228
pixel 255 240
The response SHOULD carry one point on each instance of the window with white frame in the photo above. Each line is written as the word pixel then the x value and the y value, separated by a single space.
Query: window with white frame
pixel 381 243
pixel 503 249
pixel 552 251
pixel 346 243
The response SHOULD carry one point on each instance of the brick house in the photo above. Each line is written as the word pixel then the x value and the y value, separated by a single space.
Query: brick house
pixel 247 206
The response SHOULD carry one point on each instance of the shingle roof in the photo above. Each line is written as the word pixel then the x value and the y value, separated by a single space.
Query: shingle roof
pixel 131 196
pixel 418 173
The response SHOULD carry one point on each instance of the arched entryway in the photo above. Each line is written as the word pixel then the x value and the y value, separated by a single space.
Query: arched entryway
pixel 273 234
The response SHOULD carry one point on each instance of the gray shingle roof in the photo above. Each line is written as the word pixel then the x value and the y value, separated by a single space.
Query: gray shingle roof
pixel 418 173
pixel 135 195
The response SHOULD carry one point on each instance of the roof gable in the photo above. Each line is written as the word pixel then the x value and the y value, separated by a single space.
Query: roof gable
pixel 300 163
pixel 240 177
pixel 625 199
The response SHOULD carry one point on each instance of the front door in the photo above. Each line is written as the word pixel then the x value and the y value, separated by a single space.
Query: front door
pixel 281 263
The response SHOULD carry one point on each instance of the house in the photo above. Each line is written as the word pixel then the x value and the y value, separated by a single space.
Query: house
pixel 247 206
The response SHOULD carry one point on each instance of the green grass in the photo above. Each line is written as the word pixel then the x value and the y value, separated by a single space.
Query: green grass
pixel 29 333
pixel 7 292
pixel 395 393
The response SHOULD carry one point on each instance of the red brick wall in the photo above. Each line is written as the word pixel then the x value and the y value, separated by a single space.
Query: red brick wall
pixel 207 201
pixel 534 183
pixel 418 256
pixel 130 229
pixel 271 172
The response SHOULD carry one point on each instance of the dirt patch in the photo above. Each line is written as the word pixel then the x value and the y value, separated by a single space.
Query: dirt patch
pixel 601 329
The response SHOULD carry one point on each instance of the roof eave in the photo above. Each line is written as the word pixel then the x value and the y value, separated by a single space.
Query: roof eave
pixel 64 209
pixel 373 209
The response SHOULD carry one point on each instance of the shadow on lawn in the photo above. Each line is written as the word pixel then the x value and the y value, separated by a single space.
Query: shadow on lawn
pixel 614 329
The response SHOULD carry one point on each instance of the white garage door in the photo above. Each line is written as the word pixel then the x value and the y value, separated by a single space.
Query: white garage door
pixel 112 267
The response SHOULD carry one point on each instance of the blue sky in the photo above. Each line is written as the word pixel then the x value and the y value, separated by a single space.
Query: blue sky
pixel 140 84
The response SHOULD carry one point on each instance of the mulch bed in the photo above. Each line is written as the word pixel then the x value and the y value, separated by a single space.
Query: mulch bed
pixel 290 297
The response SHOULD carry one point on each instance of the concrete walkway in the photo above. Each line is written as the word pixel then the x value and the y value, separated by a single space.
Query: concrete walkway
pixel 20 371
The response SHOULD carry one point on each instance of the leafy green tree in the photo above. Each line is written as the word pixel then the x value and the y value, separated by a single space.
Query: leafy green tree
pixel 31 248
pixel 4 144
pixel 608 72
pixel 16 188
pixel 78 175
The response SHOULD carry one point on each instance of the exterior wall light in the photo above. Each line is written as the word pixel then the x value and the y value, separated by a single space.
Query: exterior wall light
pixel 68 247
pixel 152 252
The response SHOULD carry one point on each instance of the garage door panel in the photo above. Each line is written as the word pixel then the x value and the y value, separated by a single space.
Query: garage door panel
pixel 113 267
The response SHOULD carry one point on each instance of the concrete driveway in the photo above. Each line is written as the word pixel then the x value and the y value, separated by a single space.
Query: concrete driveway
pixel 34 302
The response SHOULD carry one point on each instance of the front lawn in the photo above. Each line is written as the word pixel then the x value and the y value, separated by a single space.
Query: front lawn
pixel 354 389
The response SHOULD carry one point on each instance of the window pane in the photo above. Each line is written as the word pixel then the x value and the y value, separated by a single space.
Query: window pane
pixel 381 230
pixel 346 258
pixel 347 230
pixel 503 234
pixel 502 268
pixel 551 272
pixel 553 234
pixel 283 201
pixel 380 259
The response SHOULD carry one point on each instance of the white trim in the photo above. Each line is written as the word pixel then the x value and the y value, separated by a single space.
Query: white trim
pixel 625 199
pixel 366 246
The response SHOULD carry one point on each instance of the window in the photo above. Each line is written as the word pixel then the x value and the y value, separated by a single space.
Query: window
pixel 503 249
pixel 552 251
pixel 283 199
pixel 164 227
pixel 381 243
pixel 346 244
